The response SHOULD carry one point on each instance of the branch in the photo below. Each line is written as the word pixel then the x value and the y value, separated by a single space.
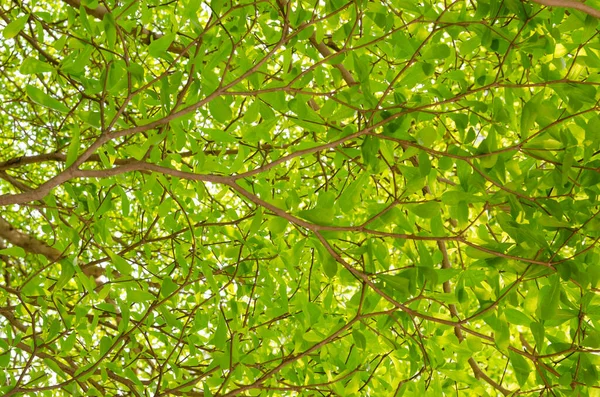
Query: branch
pixel 322 48
pixel 326 52
pixel 477 371
pixel 27 242
pixel 34 246
pixel 570 4
pixel 141 32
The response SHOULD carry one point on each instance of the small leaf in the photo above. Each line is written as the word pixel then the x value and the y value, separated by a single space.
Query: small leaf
pixel 398 283
pixel 220 110
pixel 67 344
pixel 548 221
pixel 220 136
pixel 538 332
pixel 426 136
pixel 4 359
pixel 424 163
pixel 359 339
pixel 277 225
pixel 502 336
pixel 67 272
pixel 351 194
pixel 369 150
pixel 52 364
pixel 549 299
pixel 167 287
pixel 329 263
pixel 110 30
pixel 120 263
pixel 528 116
pixel 566 166
pixel 73 147
pixel 220 337
pixel 330 266
pixel 312 336
pixel 105 344
pixel 159 46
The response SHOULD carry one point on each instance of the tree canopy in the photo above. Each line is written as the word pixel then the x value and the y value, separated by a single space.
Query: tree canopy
pixel 299 198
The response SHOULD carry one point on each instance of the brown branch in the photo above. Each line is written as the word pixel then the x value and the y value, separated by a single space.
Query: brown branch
pixel 27 242
pixel 570 4
pixel 44 157
pixel 322 48
pixel 326 52
pixel 477 371
pixel 61 157
pixel 34 246
pixel 146 36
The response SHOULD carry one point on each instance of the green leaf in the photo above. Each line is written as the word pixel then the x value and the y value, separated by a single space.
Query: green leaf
pixel 538 332
pixel 277 225
pixel 41 98
pixel 502 336
pixel 5 359
pixel 51 364
pixel 351 194
pixel 397 282
pixel 110 30
pixel 426 136
pixel 528 116
pixel 33 66
pixel 220 136
pixel 425 210
pixel 220 334
pixel 120 263
pixel 105 345
pixel 436 51
pixel 13 251
pixel 329 264
pixel 66 274
pixel 520 366
pixel 551 222
pixel 566 166
pixel 549 299
pixel 516 317
pixel 68 343
pixel 312 336
pixel 14 27
pixel 359 339
pixel 318 216
pixel 73 147
pixel 167 287
pixel 369 150
pixel 159 46
pixel 220 110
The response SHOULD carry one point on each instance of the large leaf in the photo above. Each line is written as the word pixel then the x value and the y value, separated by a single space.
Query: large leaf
pixel 41 98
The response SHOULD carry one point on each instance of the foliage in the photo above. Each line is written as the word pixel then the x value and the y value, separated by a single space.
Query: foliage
pixel 334 198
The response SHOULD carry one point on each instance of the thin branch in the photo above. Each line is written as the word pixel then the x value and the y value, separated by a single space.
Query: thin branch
pixel 146 36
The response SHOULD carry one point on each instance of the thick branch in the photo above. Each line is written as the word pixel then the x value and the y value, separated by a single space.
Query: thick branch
pixel 570 4
pixel 27 242
pixel 34 246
